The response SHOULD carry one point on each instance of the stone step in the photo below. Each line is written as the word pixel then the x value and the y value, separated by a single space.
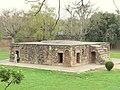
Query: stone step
pixel 101 51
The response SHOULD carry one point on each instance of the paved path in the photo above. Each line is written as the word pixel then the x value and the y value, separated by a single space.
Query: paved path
pixel 77 69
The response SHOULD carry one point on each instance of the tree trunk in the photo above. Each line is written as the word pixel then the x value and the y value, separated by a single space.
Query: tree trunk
pixel 13 40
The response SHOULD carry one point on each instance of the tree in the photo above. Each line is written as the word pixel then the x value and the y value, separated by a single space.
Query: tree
pixel 12 22
pixel 104 27
pixel 80 14
pixel 40 9
pixel 41 25
pixel 10 76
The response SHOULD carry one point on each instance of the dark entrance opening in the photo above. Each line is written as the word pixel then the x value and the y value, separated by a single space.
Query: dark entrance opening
pixel 18 58
pixel 60 57
pixel 93 57
pixel 78 58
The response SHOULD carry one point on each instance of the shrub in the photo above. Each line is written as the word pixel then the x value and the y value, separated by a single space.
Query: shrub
pixel 10 76
pixel 109 65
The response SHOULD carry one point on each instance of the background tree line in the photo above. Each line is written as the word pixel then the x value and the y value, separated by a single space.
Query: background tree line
pixel 19 25
pixel 83 24
pixel 104 27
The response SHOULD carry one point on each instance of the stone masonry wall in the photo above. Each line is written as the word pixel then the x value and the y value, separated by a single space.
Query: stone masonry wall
pixel 102 52
pixel 48 54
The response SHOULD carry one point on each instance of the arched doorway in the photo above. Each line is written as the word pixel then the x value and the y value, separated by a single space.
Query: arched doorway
pixel 93 57
pixel 18 58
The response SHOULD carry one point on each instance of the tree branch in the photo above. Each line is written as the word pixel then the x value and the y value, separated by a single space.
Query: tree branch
pixel 57 18
pixel 40 10
pixel 118 11
pixel 40 7
pixel 9 84
pixel 6 28
pixel 27 1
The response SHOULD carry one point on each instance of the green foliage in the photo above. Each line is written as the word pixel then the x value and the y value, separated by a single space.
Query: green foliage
pixel 104 27
pixel 21 36
pixel 39 35
pixel 10 76
pixel 21 26
pixel 40 27
pixel 109 65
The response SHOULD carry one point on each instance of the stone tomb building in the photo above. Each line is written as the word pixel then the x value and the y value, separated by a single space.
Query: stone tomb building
pixel 60 52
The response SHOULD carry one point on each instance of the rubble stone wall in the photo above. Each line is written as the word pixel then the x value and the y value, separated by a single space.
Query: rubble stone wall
pixel 48 54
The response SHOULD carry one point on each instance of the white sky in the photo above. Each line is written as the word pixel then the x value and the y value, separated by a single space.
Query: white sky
pixel 104 5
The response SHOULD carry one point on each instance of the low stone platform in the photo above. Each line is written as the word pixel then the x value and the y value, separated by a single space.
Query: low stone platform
pixel 77 69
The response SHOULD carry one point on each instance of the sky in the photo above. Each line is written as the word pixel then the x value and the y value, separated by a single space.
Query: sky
pixel 103 5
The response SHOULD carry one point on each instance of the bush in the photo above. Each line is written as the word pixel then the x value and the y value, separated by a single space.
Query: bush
pixel 10 76
pixel 109 65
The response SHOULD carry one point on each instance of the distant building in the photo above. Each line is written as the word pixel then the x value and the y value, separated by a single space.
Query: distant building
pixel 61 52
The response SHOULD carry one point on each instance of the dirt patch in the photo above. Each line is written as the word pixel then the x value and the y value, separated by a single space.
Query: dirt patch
pixel 5 43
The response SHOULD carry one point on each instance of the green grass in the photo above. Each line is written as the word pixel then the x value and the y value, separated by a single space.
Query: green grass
pixel 4 53
pixel 53 80
pixel 115 54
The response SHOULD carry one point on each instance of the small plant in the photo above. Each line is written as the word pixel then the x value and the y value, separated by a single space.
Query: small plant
pixel 10 76
pixel 109 65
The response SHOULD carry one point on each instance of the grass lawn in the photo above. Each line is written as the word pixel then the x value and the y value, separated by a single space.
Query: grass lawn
pixel 4 53
pixel 115 54
pixel 52 80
